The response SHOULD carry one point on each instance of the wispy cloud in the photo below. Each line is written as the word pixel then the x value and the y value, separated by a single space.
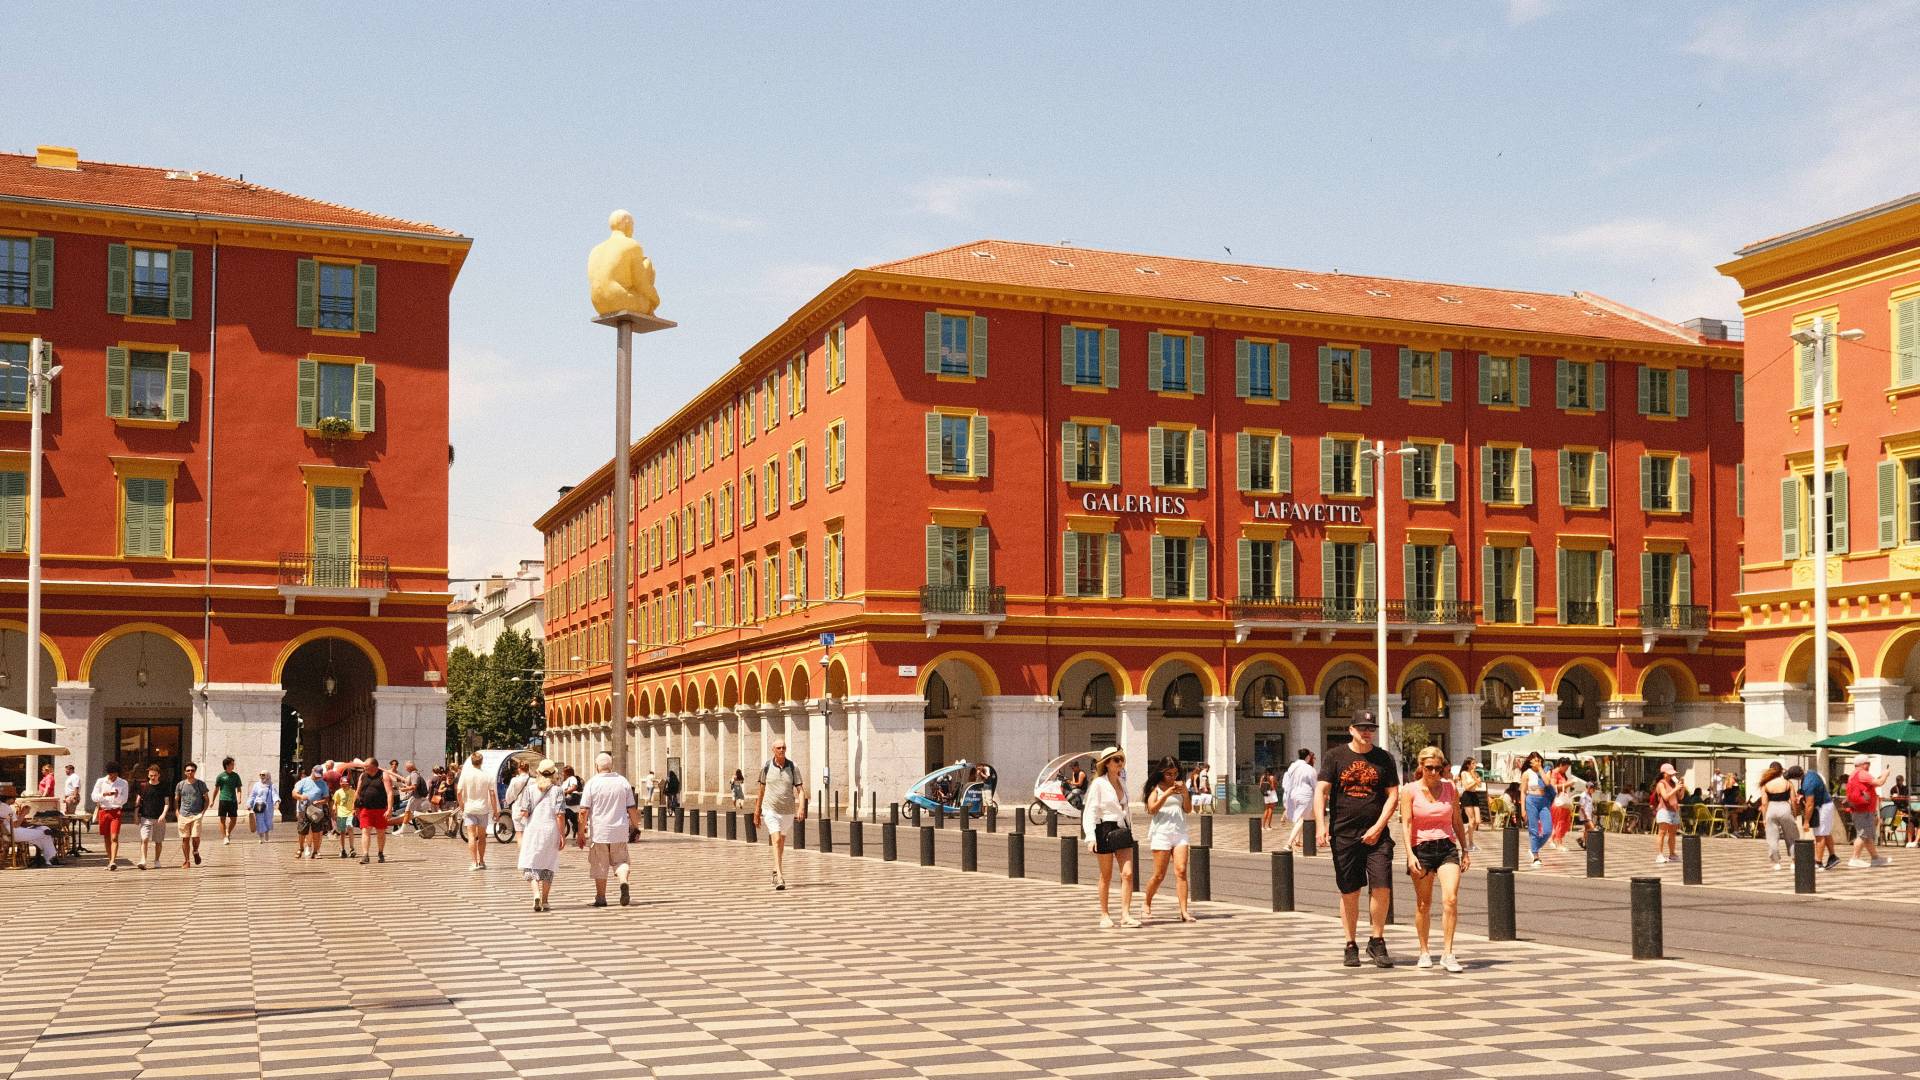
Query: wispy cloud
pixel 725 222
pixel 955 196
pixel 1663 267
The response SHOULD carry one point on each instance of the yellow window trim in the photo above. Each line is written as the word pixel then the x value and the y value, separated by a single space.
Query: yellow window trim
pixel 333 476
pixel 1094 484
pixel 948 410
pixel 10 309
pixel 1263 530
pixel 1584 542
pixel 1081 523
pixel 1078 388
pixel 1801 461
pixel 1346 436
pixel 152 320
pixel 1901 445
pixel 1427 402
pixel 145 468
pixel 1429 537
pixel 956 519
pixel 1176 527
pixel 1176 395
pixel 131 422
pixel 1164 332
pixel 1508 539
pixel 1345 496
pixel 1079 325
pixel 1168 425
pixel 1262 401
pixel 1089 421
pixel 1501 408
pixel 1349 534
pixel 1581 449
pixel 1672 545
pixel 967 312
pixel 1262 433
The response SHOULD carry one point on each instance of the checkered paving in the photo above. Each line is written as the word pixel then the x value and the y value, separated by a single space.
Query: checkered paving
pixel 1731 863
pixel 257 965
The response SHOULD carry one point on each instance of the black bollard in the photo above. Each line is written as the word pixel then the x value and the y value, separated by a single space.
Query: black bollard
pixel 1309 838
pixel 856 844
pixel 1510 848
pixel 970 851
pixel 939 815
pixel 1253 835
pixel 915 808
pixel 1200 873
pixel 826 835
pixel 1283 881
pixel 1689 861
pixel 1206 830
pixel 1596 853
pixel 1053 822
pixel 1069 861
pixel 893 813
pixel 646 817
pixel 799 834
pixel 713 824
pixel 733 825
pixel 752 821
pixel 1646 918
pixel 926 845
pixel 993 816
pixel 966 818
pixel 1803 865
pixel 1017 854
pixel 1500 923
pixel 873 807
pixel 889 842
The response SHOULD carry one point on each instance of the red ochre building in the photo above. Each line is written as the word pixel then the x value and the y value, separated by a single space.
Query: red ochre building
pixel 1048 499
pixel 1861 271
pixel 246 467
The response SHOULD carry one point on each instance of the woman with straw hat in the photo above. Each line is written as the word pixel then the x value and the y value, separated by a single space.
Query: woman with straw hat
pixel 540 815
pixel 1109 833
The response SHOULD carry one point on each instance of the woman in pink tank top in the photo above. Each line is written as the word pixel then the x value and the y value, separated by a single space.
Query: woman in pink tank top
pixel 1435 825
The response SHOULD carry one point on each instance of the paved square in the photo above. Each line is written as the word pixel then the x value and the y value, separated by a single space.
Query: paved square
pixel 260 965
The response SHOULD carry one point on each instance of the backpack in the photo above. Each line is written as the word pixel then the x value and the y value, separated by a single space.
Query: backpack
pixel 769 768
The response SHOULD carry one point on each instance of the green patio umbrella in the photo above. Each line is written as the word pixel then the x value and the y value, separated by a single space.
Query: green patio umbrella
pixel 1620 741
pixel 1543 740
pixel 1895 739
pixel 1720 740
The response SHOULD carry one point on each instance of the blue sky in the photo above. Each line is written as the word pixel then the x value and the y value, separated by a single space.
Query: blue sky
pixel 765 149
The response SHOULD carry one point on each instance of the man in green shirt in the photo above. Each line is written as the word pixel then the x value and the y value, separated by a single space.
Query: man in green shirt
pixel 226 795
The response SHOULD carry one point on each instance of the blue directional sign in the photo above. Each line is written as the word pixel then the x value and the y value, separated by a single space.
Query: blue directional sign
pixel 826 640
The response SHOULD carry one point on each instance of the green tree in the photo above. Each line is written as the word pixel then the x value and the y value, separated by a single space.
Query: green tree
pixel 495 699
pixel 1414 737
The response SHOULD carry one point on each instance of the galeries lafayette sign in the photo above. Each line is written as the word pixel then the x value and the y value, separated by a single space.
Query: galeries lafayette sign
pixel 1109 502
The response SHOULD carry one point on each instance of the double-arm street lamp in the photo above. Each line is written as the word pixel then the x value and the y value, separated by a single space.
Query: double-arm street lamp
pixel 1379 453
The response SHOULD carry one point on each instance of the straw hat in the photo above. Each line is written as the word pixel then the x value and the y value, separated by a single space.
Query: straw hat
pixel 1107 755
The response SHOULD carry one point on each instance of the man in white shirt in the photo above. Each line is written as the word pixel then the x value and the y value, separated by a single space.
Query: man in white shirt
pixel 479 805
pixel 70 792
pixel 648 786
pixel 609 816
pixel 110 793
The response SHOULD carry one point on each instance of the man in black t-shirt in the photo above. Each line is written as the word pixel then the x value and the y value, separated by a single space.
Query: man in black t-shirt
pixel 1358 790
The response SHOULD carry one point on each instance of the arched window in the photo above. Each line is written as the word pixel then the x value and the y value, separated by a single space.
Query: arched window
pixel 1265 697
pixel 1658 694
pixel 1183 697
pixel 1573 700
pixel 1496 698
pixel 1423 699
pixel 939 700
pixel 1097 698
pixel 1839 680
pixel 1346 696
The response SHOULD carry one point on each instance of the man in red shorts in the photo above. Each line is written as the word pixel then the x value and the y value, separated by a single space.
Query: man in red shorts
pixel 109 796
pixel 372 796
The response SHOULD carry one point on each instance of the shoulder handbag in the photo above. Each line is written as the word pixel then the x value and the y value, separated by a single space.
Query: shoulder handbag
pixel 1112 836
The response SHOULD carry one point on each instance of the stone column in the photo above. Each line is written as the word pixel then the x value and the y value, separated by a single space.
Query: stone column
pixel 1303 726
pixel 1463 726
pixel 1878 701
pixel 1019 735
pixel 893 742
pixel 1549 712
pixel 839 749
pixel 1131 716
pixel 1616 711
pixel 821 775
pixel 1222 742
pixel 796 727
pixel 243 720
pixel 409 722
pixel 73 711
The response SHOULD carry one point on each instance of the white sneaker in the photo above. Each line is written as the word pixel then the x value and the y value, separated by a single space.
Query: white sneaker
pixel 1536 864
pixel 1858 864
pixel 1450 965
pixel 1775 866
pixel 1659 860
pixel 1425 961
pixel 472 867
pixel 1913 843
pixel 1882 860
pixel 225 841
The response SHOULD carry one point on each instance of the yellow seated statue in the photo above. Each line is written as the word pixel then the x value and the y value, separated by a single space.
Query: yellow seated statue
pixel 619 272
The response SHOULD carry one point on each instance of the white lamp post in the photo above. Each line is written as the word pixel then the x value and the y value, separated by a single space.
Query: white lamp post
pixel 1379 453
pixel 1820 336
pixel 41 371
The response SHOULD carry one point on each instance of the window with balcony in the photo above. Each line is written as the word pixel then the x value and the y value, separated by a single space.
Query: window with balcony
pixel 1579 385
pixel 1666 483
pixel 1176 457
pixel 956 444
pixel 1666 592
pixel 956 345
pixel 1426 376
pixel 1663 392
pixel 1585 587
pixel 1346 375
pixel 1426 475
pixel 1506 581
pixel 1343 469
pixel 1266 570
pixel 1180 568
pixel 26 271
pixel 1505 381
pixel 1506 475
pixel 1796 515
pixel 1177 363
pixel 1084 355
pixel 1342 580
pixel 1583 478
pixel 1261 369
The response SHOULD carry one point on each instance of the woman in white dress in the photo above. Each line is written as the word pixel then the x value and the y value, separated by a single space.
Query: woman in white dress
pixel 1297 788
pixel 1168 801
pixel 1108 832
pixel 540 815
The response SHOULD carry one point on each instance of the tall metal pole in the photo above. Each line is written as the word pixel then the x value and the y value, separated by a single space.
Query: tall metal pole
pixel 36 386
pixel 622 496
pixel 1823 341
pixel 1380 592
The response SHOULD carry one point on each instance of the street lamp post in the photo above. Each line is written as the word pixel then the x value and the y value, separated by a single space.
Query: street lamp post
pixel 1821 337
pixel 41 372
pixel 1379 453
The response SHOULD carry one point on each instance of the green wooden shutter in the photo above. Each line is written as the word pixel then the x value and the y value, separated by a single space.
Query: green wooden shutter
pixel 1643 386
pixel 982 557
pixel 1560 378
pixel 1740 489
pixel 1443 373
pixel 977 364
pixel 1112 453
pixel 1838 480
pixel 150 519
pixel 1282 371
pixel 1365 469
pixel 934 539
pixel 1449 573
pixel 1243 462
pixel 1560 585
pixel 1069 450
pixel 1156 464
pixel 933 444
pixel 1154 347
pixel 1524 600
pixel 1408 573
pixel 1283 569
pixel 1605 596
pixel 43 363
pixel 42 281
pixel 1680 391
pixel 307 390
pixel 306 294
pixel 1682 580
pixel 1906 339
pixel 932 356
pixel 1646 481
pixel 1326 466
pixel 1486 379
pixel 13 511
pixel 1069 565
pixel 1597 385
pixel 1522 381
pixel 1600 479
pixel 180 284
pixel 1069 359
pixel 178 380
pixel 1888 484
pixel 1241 377
pixel 333 536
pixel 1197 460
pixel 116 381
pixel 133 516
pixel 1243 549
pixel 1406 473
pixel 1489 596
pixel 1199 578
pixel 1647 597
pixel 1113 564
pixel 119 278
pixel 1326 570
pixel 1159 563
pixel 1326 374
pixel 1197 364
pixel 1523 476
pixel 1682 484
pixel 1110 357
pixel 1406 373
pixel 979 432
pixel 1369 571
pixel 1283 464
pixel 1443 470
pixel 1739 398
pixel 1363 376
pixel 1564 459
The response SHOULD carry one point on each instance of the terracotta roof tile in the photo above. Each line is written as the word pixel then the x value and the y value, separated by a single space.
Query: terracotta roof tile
pixel 1043 266
pixel 142 187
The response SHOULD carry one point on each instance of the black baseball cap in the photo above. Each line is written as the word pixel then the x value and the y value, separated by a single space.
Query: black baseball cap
pixel 1363 719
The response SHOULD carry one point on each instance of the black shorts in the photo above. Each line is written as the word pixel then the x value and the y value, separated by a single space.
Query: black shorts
pixel 229 809
pixel 1473 799
pixel 1433 854
pixel 1357 865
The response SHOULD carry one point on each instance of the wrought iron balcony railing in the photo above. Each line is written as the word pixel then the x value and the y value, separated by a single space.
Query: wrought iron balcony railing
pixel 304 568
pixel 1582 613
pixel 963 600
pixel 1673 617
pixel 1341 609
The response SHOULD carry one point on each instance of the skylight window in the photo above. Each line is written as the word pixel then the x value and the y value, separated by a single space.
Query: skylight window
pixel 1307 285
pixel 1382 293
pixel 1233 279
pixel 1451 300
pixel 1061 262
pixel 984 255
pixel 1523 307
pixel 1145 270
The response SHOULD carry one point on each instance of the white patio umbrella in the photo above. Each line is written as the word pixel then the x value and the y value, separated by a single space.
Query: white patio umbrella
pixel 15 720
pixel 21 746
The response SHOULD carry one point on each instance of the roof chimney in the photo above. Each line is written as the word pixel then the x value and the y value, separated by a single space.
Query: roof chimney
pixel 64 158
pixel 1711 329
